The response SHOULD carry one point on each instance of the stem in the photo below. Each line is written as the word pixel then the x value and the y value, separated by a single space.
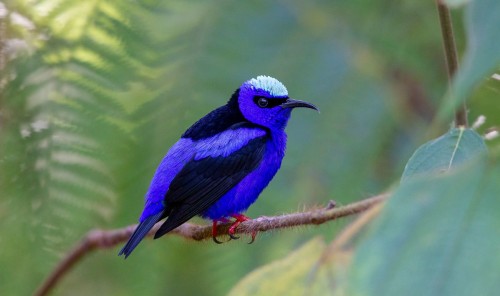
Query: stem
pixel 106 239
pixel 450 51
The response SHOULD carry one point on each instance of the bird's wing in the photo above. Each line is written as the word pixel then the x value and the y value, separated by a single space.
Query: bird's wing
pixel 205 179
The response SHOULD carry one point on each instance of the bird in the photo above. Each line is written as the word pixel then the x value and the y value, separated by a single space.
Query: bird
pixel 222 163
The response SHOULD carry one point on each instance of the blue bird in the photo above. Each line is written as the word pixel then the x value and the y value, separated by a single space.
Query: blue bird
pixel 221 163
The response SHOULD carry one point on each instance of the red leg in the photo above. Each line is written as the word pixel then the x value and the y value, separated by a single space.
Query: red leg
pixel 239 219
pixel 214 232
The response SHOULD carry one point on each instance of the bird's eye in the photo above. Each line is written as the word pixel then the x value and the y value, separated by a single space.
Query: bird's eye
pixel 262 102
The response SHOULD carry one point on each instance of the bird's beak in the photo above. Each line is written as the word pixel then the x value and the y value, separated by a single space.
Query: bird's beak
pixel 291 103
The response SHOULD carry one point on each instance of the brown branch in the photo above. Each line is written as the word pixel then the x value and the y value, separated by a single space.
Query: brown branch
pixel 450 51
pixel 106 239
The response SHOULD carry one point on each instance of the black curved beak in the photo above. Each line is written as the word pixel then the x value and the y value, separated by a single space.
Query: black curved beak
pixel 291 103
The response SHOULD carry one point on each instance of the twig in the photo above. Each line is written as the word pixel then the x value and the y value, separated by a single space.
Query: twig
pixel 450 51
pixel 106 239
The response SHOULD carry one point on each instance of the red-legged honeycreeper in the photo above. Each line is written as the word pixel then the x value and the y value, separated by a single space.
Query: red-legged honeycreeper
pixel 221 163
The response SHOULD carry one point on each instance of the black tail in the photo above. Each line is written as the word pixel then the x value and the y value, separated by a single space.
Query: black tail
pixel 139 233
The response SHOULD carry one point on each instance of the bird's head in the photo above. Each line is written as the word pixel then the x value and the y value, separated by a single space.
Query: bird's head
pixel 264 101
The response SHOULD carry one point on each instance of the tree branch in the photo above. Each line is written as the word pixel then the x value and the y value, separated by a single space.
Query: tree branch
pixel 106 239
pixel 450 51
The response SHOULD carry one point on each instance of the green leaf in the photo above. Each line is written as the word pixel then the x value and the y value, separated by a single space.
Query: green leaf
pixel 482 20
pixel 441 154
pixel 289 276
pixel 435 236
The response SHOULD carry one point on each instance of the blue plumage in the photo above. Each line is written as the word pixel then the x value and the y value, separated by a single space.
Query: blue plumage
pixel 222 162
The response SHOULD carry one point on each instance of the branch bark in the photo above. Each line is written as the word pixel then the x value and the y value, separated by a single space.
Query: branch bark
pixel 106 239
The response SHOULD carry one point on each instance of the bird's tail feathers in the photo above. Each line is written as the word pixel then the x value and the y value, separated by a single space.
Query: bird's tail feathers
pixel 140 232
pixel 175 218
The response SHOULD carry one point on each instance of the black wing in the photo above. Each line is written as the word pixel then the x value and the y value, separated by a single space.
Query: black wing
pixel 202 182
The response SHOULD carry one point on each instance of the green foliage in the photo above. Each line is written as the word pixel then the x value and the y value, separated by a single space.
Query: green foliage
pixel 437 235
pixel 453 148
pixel 100 90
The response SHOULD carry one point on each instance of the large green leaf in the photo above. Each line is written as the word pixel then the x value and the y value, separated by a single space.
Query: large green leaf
pixel 482 56
pixel 437 235
pixel 445 152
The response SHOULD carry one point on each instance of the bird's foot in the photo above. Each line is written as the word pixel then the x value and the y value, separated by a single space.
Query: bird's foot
pixel 214 230
pixel 239 219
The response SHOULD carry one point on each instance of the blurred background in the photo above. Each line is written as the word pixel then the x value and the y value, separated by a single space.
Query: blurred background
pixel 93 93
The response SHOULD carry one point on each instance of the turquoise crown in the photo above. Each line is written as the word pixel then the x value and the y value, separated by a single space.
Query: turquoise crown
pixel 270 85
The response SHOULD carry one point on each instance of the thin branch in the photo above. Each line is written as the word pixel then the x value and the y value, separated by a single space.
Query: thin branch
pixel 106 239
pixel 450 50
